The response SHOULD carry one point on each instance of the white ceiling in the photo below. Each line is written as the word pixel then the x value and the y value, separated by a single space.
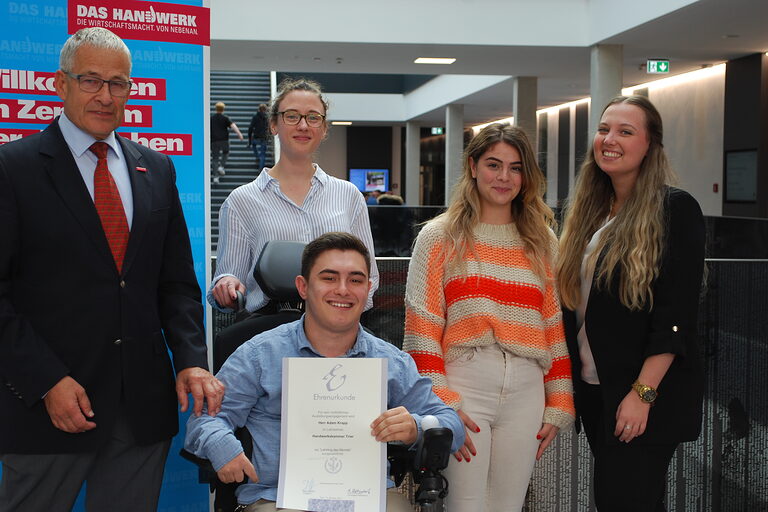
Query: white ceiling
pixel 702 33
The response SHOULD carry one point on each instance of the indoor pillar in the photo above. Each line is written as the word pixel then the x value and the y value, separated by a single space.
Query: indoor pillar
pixel 524 103
pixel 605 80
pixel 454 146
pixel 412 164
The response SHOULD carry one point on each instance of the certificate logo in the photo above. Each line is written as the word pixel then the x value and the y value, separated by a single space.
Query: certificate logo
pixel 333 465
pixel 309 486
pixel 333 380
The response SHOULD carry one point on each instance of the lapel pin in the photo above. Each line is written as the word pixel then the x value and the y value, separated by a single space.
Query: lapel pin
pixel 141 169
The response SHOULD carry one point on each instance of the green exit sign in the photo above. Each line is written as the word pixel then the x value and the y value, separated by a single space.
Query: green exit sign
pixel 657 66
pixel 437 130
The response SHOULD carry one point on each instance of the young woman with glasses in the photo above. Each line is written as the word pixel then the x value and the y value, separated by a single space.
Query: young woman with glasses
pixel 294 200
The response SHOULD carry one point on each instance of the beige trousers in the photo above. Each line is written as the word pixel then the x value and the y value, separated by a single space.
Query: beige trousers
pixel 504 394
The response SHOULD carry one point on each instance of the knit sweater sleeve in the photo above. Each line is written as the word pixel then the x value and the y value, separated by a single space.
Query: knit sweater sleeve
pixel 425 311
pixel 559 409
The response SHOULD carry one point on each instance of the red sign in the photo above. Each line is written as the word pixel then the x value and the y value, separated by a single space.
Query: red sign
pixel 168 143
pixel 35 111
pixel 21 81
pixel 11 134
pixel 145 21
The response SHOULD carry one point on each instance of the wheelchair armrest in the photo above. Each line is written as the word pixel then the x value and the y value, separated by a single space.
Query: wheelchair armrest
pixel 400 461
pixel 205 469
pixel 205 472
pixel 203 464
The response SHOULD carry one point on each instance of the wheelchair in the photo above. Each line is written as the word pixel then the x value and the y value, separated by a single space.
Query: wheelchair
pixel 276 269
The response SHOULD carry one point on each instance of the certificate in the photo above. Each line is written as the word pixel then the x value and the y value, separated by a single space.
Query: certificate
pixel 329 461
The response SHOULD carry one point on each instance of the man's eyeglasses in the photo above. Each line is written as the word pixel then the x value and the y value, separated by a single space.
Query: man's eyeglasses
pixel 88 83
pixel 292 117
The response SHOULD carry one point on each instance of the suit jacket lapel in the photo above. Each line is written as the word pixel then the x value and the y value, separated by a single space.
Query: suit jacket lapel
pixel 142 199
pixel 68 182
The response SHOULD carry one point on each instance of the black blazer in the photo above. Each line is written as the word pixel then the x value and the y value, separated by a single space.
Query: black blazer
pixel 65 310
pixel 621 339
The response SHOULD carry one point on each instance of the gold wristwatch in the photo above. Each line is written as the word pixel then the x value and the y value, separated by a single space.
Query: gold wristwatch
pixel 647 394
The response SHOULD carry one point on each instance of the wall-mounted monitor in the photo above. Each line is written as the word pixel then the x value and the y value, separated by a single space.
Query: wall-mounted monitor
pixel 367 180
pixel 741 176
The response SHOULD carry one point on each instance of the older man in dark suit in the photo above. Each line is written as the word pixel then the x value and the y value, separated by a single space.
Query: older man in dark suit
pixel 96 283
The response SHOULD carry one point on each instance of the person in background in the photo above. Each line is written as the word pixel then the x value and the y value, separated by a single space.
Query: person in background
pixel 390 199
pixel 483 321
pixel 97 283
pixel 220 125
pixel 392 227
pixel 294 200
pixel 630 274
pixel 258 131
pixel 373 197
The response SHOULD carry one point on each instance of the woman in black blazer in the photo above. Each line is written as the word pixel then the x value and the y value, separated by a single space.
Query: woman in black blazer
pixel 630 272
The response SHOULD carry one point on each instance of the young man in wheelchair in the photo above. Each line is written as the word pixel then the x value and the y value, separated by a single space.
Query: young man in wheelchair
pixel 334 284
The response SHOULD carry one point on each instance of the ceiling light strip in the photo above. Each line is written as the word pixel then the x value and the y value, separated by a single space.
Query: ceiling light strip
pixel 550 110
pixel 682 78
pixel 434 60
pixel 476 129
pixel 654 84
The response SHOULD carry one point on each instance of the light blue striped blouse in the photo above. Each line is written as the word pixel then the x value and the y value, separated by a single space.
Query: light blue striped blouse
pixel 258 212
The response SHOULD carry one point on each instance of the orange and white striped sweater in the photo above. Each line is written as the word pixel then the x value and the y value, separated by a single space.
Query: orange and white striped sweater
pixel 494 298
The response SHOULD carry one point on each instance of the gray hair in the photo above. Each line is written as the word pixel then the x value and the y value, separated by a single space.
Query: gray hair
pixel 97 37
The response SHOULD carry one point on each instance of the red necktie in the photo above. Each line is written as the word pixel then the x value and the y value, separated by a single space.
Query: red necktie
pixel 106 197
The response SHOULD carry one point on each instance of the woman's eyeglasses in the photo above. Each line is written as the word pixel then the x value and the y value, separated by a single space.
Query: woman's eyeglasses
pixel 292 117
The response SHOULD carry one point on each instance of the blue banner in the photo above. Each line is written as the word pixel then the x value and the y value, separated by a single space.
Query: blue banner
pixel 167 111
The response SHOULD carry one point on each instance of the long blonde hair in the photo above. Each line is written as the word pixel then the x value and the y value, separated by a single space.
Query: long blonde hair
pixel 633 242
pixel 530 213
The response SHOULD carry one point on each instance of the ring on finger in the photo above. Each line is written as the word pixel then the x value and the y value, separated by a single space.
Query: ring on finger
pixel 628 427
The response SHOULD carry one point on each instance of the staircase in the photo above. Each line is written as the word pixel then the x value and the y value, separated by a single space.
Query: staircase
pixel 242 92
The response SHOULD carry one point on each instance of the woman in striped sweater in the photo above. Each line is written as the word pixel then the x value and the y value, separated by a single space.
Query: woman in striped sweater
pixel 483 320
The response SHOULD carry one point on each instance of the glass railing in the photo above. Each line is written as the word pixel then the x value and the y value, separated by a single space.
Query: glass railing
pixel 394 229
pixel 726 469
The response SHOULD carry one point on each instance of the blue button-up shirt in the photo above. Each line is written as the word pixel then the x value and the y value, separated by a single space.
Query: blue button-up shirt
pixel 253 377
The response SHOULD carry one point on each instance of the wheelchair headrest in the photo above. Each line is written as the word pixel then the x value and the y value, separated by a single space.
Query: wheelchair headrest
pixel 276 269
